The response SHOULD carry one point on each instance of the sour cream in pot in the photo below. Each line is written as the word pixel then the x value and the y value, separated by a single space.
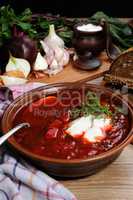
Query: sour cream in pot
pixel 89 28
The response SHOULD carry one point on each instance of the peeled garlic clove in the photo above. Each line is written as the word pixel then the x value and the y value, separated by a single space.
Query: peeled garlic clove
pixel 53 39
pixel 18 64
pixel 8 80
pixel 40 63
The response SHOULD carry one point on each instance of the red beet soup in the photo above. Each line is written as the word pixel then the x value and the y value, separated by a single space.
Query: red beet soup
pixel 55 118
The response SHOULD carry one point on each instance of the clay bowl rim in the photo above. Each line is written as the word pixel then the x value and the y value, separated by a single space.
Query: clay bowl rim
pixel 85 33
pixel 34 157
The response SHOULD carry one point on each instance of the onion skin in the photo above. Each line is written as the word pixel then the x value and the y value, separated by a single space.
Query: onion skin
pixel 15 73
pixel 8 80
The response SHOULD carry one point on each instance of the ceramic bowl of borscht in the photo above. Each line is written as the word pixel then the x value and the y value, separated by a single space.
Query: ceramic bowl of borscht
pixel 76 129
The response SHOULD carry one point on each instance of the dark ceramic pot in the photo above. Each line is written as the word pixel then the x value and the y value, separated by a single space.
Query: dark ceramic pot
pixel 85 42
pixel 61 167
pixel 89 44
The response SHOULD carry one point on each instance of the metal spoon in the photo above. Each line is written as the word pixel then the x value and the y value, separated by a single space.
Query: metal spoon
pixel 12 131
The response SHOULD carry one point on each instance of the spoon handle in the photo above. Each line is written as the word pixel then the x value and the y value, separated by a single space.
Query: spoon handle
pixel 12 131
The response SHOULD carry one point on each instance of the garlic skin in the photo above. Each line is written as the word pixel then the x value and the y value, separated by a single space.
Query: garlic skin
pixel 55 53
pixel 53 39
pixel 58 53
pixel 54 68
pixel 18 64
pixel 8 80
pixel 40 63
pixel 65 59
pixel 49 52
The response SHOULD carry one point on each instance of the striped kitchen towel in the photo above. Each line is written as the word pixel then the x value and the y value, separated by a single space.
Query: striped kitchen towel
pixel 19 180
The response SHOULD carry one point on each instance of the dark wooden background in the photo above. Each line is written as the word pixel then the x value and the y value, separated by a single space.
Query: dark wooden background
pixel 74 8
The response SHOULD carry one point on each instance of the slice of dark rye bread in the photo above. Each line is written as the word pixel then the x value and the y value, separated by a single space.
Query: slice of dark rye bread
pixel 121 70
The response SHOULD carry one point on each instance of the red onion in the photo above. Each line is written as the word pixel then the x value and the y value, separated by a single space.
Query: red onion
pixel 23 47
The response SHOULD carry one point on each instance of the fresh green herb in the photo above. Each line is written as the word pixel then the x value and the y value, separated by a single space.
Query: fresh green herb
pixel 121 110
pixel 66 33
pixel 36 28
pixel 75 113
pixel 8 19
pixel 121 32
pixel 91 106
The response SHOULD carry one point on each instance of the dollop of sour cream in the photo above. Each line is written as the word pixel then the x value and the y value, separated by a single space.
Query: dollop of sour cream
pixel 79 126
pixel 89 28
pixel 91 129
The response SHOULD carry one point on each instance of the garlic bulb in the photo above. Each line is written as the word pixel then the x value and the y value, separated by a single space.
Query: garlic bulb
pixel 18 64
pixel 8 80
pixel 53 39
pixel 40 63
pixel 55 53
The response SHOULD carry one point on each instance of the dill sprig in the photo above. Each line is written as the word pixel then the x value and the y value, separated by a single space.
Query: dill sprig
pixel 91 106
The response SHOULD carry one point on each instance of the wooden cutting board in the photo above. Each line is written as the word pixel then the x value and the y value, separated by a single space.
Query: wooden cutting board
pixel 72 74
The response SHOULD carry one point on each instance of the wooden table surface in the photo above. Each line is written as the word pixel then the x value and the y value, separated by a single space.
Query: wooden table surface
pixel 72 74
pixel 115 182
